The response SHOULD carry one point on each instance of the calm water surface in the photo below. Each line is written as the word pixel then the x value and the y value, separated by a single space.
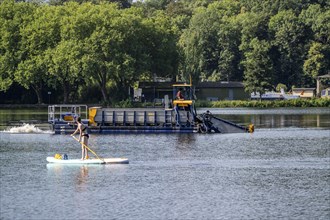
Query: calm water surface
pixel 280 171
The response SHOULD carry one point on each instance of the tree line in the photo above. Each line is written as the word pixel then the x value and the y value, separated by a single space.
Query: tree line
pixel 87 51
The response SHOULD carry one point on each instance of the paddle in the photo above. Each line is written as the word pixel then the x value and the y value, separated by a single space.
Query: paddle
pixel 87 148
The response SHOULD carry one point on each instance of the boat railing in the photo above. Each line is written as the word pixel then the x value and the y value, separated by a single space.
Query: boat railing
pixel 67 113
pixel 133 117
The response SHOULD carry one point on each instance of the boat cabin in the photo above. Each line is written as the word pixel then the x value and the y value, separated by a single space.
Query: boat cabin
pixel 325 93
pixel 304 92
pixel 183 104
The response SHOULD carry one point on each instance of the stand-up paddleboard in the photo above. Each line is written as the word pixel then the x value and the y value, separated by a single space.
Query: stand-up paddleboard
pixel 89 161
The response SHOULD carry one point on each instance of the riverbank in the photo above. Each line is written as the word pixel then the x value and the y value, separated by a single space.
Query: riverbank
pixel 23 106
pixel 304 103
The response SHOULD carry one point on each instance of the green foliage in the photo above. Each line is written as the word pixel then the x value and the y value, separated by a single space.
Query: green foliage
pixel 287 32
pixel 315 63
pixel 110 45
pixel 13 17
pixel 281 86
pixel 124 104
pixel 316 102
pixel 37 36
pixel 203 103
pixel 210 43
pixel 258 67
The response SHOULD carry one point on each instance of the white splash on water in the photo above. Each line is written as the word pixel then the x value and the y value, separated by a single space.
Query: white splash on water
pixel 25 128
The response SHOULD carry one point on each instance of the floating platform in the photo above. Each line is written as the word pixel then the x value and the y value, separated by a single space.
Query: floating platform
pixel 121 120
pixel 88 161
pixel 180 119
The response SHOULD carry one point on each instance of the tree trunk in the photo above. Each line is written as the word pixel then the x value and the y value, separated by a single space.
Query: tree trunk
pixel 104 93
pixel 66 92
pixel 38 90
pixel 102 82
pixel 123 88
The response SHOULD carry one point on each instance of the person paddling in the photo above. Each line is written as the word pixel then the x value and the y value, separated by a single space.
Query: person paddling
pixel 83 138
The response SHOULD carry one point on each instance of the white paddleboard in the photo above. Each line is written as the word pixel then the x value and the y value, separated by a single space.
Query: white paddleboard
pixel 89 161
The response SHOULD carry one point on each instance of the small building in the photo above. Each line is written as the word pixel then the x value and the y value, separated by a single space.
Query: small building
pixel 325 93
pixel 319 85
pixel 304 92
pixel 212 91
pixel 151 91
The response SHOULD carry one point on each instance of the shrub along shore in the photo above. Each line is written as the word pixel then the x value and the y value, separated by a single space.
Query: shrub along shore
pixel 303 103
pixel 316 102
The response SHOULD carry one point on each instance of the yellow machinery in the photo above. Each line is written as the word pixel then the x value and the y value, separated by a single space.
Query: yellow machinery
pixel 187 92
pixel 187 95
pixel 92 114
pixel 184 105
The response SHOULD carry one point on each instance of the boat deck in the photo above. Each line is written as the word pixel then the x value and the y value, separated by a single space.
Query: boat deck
pixel 139 120
pixel 126 120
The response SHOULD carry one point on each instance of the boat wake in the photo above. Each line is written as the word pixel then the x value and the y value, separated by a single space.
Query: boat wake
pixel 26 128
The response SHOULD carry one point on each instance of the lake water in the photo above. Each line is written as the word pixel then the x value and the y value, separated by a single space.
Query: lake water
pixel 282 170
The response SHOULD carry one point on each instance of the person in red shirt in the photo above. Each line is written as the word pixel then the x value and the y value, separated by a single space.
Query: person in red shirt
pixel 179 95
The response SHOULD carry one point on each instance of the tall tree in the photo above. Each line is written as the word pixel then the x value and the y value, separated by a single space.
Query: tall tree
pixel 317 62
pixel 65 68
pixel 287 32
pixel 121 3
pixel 162 48
pixel 38 36
pixel 272 7
pixel 103 49
pixel 13 17
pixel 125 46
pixel 258 67
pixel 199 43
pixel 65 61
pixel 210 44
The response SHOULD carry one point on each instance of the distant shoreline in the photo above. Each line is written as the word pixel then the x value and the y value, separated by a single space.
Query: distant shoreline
pixel 6 106
pixel 298 103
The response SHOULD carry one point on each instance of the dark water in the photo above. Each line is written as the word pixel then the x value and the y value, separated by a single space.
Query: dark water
pixel 276 118
pixel 280 171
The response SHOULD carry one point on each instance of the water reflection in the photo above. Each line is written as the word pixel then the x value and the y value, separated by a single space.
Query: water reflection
pixel 270 174
pixel 18 117
pixel 281 121
pixel 261 118
pixel 81 178
pixel 62 172
pixel 185 139
pixel 185 142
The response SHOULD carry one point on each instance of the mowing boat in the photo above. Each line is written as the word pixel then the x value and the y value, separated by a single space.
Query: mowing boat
pixel 178 116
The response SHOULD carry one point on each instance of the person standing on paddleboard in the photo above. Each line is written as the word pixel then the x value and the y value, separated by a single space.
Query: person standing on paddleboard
pixel 83 138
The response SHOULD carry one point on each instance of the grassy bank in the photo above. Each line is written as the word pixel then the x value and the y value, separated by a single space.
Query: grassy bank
pixel 23 106
pixel 317 102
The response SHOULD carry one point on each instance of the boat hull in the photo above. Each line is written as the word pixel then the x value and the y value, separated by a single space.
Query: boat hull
pixel 69 129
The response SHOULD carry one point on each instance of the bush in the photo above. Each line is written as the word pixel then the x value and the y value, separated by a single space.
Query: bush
pixel 279 86
pixel 124 104
pixel 303 103
pixel 316 102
